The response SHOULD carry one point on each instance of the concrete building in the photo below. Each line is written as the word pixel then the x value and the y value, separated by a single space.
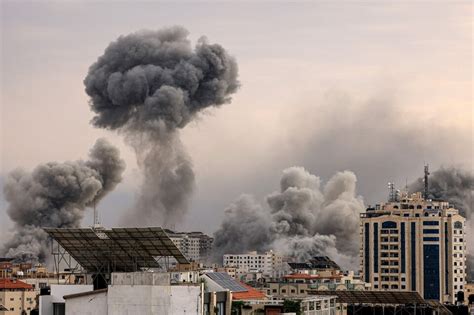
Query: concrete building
pixel 195 246
pixel 144 293
pixel 53 303
pixel 311 305
pixel 414 244
pixel 16 297
pixel 299 284
pixel 268 263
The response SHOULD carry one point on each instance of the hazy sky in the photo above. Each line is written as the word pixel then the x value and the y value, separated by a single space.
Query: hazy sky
pixel 376 88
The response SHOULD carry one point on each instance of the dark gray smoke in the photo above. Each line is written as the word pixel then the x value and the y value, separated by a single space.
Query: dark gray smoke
pixel 456 186
pixel 148 85
pixel 56 195
pixel 303 219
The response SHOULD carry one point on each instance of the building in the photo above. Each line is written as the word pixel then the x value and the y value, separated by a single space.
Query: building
pixel 16 297
pixel 51 299
pixel 195 246
pixel 138 293
pixel 382 302
pixel 311 305
pixel 414 244
pixel 299 284
pixel 268 263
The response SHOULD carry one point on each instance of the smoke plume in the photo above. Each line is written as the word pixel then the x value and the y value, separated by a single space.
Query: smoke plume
pixel 148 85
pixel 456 186
pixel 303 219
pixel 56 195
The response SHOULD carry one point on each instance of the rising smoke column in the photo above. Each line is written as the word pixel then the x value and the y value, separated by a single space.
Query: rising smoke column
pixel 303 219
pixel 456 186
pixel 56 195
pixel 148 85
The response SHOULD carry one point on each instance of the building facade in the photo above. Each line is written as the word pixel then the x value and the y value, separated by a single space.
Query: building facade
pixel 195 246
pixel 414 244
pixel 267 263
pixel 16 297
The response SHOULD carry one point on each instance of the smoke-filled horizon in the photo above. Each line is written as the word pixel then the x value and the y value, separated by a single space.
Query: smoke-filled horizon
pixel 303 219
pixel 306 218
pixel 56 195
pixel 147 85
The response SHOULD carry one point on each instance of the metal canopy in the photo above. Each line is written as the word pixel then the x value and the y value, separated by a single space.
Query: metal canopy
pixel 118 249
pixel 374 297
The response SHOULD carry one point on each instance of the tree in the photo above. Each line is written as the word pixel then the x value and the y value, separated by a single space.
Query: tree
pixel 290 306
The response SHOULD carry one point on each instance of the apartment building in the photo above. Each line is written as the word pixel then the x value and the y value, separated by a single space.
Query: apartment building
pixel 195 246
pixel 267 263
pixel 16 297
pixel 414 244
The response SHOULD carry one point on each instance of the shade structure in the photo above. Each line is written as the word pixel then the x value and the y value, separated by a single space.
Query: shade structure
pixel 117 249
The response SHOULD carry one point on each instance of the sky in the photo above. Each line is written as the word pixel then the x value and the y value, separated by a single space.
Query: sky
pixel 379 88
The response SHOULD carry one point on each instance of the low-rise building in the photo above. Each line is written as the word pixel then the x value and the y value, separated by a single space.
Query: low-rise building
pixel 16 297
pixel 299 284
pixel 138 293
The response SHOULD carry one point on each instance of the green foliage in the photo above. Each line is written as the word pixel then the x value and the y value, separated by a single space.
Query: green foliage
pixel 290 306
pixel 236 308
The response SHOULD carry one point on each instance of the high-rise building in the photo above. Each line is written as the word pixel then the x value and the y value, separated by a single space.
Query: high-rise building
pixel 414 244
pixel 195 246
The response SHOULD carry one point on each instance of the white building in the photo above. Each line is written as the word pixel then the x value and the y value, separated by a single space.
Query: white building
pixel 143 293
pixel 414 244
pixel 54 303
pixel 267 263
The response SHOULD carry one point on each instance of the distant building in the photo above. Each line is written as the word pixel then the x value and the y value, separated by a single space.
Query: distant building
pixel 195 246
pixel 16 297
pixel 299 284
pixel 414 244
pixel 267 263
pixel 316 265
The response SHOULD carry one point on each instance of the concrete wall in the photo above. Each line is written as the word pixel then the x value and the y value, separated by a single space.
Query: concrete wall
pixel 57 293
pixel 140 278
pixel 153 300
pixel 94 304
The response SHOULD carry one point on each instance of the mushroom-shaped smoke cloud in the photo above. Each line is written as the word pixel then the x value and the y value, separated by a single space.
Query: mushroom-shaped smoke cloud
pixel 147 85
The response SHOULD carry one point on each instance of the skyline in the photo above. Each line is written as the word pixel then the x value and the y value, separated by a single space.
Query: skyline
pixel 297 98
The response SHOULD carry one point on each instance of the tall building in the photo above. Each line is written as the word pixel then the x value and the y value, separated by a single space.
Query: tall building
pixel 414 244
pixel 267 263
pixel 195 246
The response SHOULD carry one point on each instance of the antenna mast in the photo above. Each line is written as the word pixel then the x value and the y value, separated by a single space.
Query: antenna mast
pixel 425 194
pixel 96 217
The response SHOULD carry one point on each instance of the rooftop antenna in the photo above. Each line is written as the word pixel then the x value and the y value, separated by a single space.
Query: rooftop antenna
pixel 96 217
pixel 425 193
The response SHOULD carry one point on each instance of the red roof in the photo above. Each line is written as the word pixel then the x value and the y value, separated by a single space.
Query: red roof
pixel 14 284
pixel 250 294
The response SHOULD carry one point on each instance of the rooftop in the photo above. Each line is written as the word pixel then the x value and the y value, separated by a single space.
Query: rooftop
pixel 9 284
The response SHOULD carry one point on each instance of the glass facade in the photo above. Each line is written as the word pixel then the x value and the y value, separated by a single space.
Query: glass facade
pixel 413 256
pixel 431 272
pixel 446 274
pixel 402 245
pixel 367 253
pixel 389 225
pixel 376 247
